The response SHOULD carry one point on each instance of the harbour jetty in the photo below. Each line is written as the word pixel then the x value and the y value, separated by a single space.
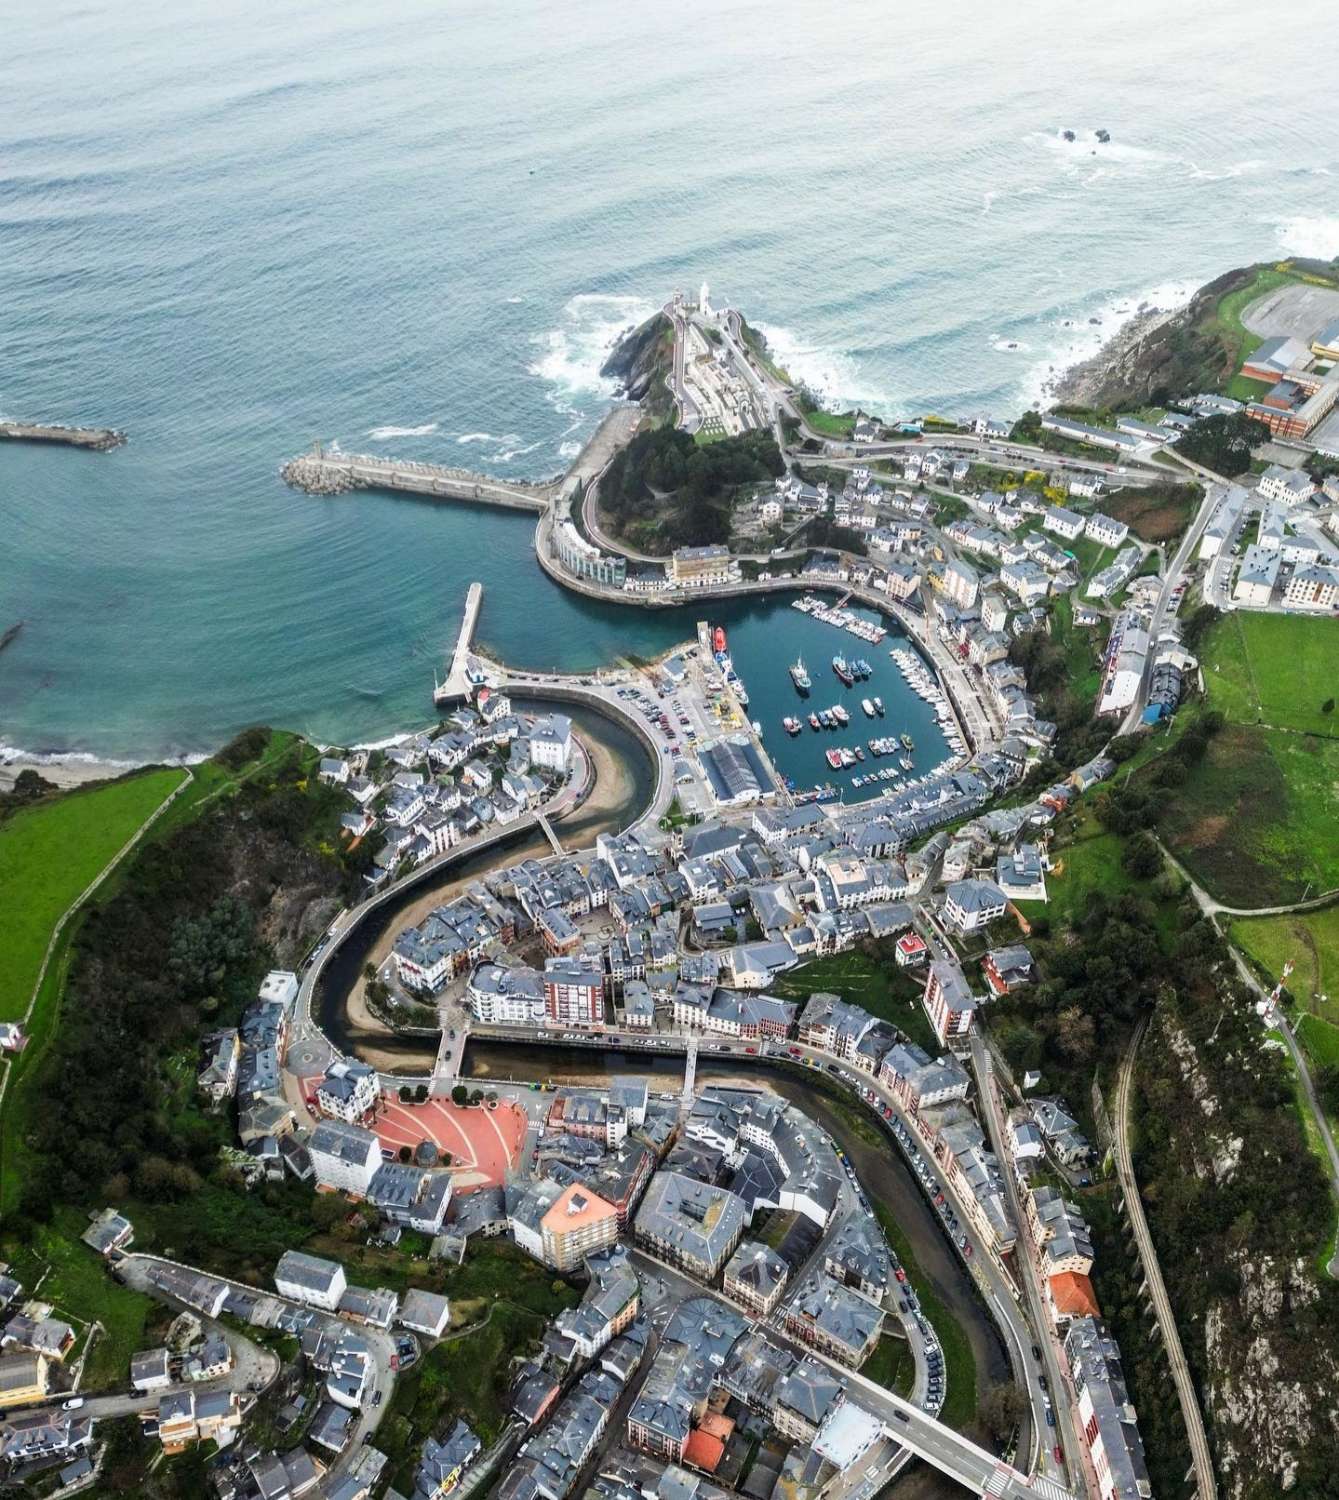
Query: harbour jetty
pixel 333 473
pixel 98 439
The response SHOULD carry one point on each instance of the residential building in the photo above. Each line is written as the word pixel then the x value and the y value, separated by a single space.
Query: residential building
pixel 442 1464
pixel 755 1277
pixel 550 743
pixel 1312 588
pixel 948 1000
pixel 23 1379
pixel 691 1224
pixel 344 1157
pixel 700 567
pixel 574 991
pixel 411 1196
pixel 424 1312
pixel 188 1417
pixel 41 1435
pixel 217 1079
pixel 1257 577
pixel 309 1279
pixel 961 583
pixel 1106 1417
pixel 1286 486
pixel 1103 529
pixel 970 905
pixel 349 1091
pixel 579 1224
pixel 149 1370
pixel 834 1320
pixel 1065 523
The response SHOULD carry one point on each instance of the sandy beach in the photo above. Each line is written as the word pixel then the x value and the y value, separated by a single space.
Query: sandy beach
pixel 65 772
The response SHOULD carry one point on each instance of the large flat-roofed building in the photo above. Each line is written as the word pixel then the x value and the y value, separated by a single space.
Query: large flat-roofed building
pixel 1297 404
pixel 580 1223
pixel 1273 358
pixel 699 567
pixel 691 1224
pixel 1325 344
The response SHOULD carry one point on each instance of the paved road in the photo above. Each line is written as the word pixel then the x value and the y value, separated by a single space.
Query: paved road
pixel 134 1270
pixel 1206 1482
pixel 1056 1373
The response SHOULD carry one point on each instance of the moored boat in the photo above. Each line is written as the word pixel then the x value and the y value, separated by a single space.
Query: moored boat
pixel 799 676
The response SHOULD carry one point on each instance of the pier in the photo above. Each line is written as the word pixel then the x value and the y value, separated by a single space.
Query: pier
pixel 459 683
pixel 97 439
pixel 322 473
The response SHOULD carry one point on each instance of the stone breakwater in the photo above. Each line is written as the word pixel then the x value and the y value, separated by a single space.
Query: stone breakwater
pixel 338 473
pixel 97 439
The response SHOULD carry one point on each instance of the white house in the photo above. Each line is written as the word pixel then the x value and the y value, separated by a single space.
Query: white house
pixel 1312 588
pixel 1065 523
pixel 309 1279
pixel 1257 577
pixel 1287 486
pixel 344 1157
pixel 973 904
pixel 349 1090
pixel 1106 530
pixel 551 743
pixel 961 583
pixel 332 771
pixel 1085 486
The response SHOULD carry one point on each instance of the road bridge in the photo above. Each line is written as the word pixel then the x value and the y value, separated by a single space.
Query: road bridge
pixel 458 683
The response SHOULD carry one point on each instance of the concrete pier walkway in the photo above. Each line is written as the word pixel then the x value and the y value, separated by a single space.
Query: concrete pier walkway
pixel 457 684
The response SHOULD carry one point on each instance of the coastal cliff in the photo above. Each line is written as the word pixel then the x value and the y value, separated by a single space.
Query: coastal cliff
pixel 641 360
pixel 1163 356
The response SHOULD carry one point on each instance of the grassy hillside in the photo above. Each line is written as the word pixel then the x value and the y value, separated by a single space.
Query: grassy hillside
pixel 1278 670
pixel 50 853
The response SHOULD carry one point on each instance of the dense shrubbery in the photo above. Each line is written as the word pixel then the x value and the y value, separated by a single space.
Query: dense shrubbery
pixel 1078 736
pixel 683 487
pixel 1223 444
pixel 180 945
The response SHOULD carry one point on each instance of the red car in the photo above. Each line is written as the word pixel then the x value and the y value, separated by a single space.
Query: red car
pixel 1057 1454
pixel 901 1274
pixel 752 1051
pixel 795 1052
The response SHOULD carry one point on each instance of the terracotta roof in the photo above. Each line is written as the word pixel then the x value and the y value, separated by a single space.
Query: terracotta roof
pixel 703 1451
pixel 1073 1295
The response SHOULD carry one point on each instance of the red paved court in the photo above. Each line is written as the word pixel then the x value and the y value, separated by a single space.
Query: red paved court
pixel 483 1143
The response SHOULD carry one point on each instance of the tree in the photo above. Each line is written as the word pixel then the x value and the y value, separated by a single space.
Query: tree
pixel 1142 858
pixel 406 1093
pixel 476 1097
pixel 421 1093
pixel 326 1211
pixel 1328 706
pixel 460 1095
pixel 405 1153
pixel 1001 1409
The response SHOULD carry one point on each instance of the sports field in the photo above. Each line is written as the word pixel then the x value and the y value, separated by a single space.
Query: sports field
pixel 1279 670
pixel 51 853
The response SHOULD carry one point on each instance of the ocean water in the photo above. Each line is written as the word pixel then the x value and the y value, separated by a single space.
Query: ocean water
pixel 415 228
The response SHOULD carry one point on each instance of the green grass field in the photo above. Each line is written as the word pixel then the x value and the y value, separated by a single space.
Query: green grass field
pixel 831 423
pixel 1274 669
pixel 1310 941
pixel 1254 822
pixel 886 992
pixel 891 1365
pixel 49 854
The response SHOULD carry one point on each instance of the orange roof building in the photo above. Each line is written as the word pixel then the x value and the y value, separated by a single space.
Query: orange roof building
pixel 579 1224
pixel 703 1451
pixel 1072 1296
